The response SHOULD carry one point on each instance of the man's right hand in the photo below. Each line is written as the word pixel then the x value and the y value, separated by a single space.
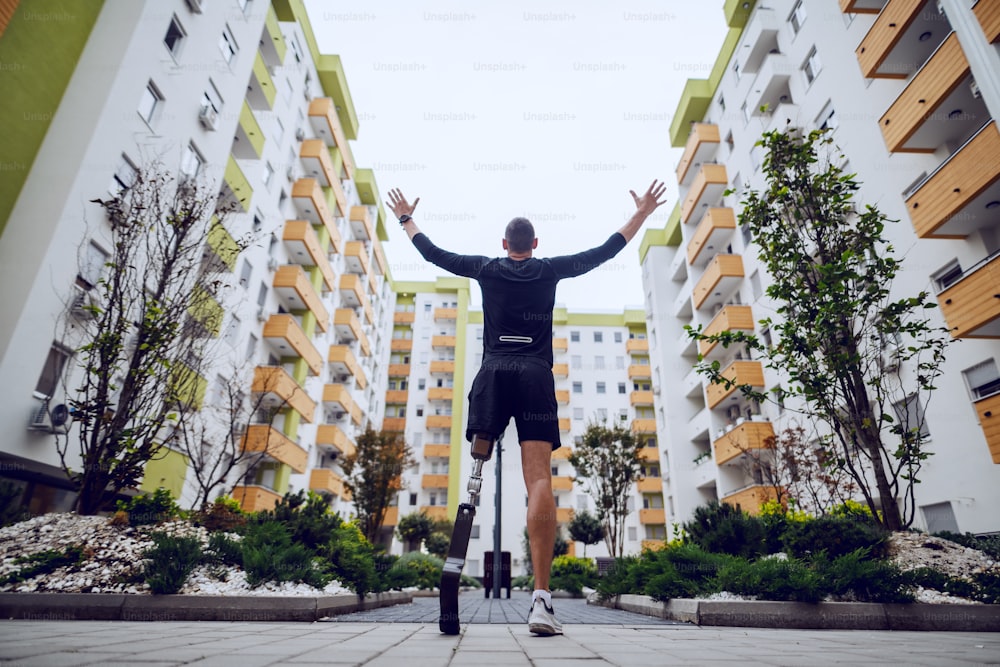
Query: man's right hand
pixel 400 207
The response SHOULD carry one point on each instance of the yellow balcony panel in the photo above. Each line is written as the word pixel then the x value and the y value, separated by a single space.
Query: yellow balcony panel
pixel 443 342
pixel 394 424
pixel 352 291
pixel 958 198
pixel 562 483
pixel 303 248
pixel 560 370
pixel 361 223
pixel 560 344
pixel 564 425
pixel 284 333
pixel 644 425
pixel 640 397
pixel 344 364
pixel 564 514
pixel 307 196
pixel 730 318
pixel 988 14
pixel 222 244
pixel 633 345
pixel 267 440
pixel 315 160
pixel 369 312
pixel 862 6
pixel 711 236
pixel 338 397
pixel 346 324
pixel 296 293
pixel 919 120
pixel 562 396
pixel 187 387
pixel 705 191
pixel 326 124
pixel 435 512
pixel 988 410
pixel 380 262
pixel 971 306
pixel 434 482
pixel 702 144
pixel 442 367
pixel 437 451
pixel 272 42
pixel 331 435
pixel 235 186
pixel 391 516
pixel 721 277
pixel 275 388
pixel 746 436
pixel 325 480
pixel 562 454
pixel 640 372
pixel 253 498
pixel 403 317
pixel 401 345
pixel 893 49
pixel 650 485
pixel 440 394
pixel 649 454
pixel 260 89
pixel 438 421
pixel 751 498
pixel 445 314
pixel 653 515
pixel 248 141
pixel 356 257
pixel 399 370
pixel 743 373
pixel 397 396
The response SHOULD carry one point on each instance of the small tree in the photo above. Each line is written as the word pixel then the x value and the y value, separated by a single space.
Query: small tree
pixel 413 529
pixel 607 464
pixel 861 362
pixel 373 475
pixel 585 527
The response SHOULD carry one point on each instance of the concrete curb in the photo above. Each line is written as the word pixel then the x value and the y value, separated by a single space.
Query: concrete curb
pixel 113 607
pixel 818 616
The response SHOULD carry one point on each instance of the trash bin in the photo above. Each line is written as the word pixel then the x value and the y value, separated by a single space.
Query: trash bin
pixel 504 572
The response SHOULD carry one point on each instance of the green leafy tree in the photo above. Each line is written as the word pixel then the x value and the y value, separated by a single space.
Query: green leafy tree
pixel 414 528
pixel 373 475
pixel 585 527
pixel 607 464
pixel 858 359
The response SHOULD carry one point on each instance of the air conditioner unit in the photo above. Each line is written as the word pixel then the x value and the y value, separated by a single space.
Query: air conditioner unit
pixel 974 88
pixel 83 303
pixel 58 419
pixel 272 264
pixel 209 117
pixel 261 315
pixel 290 174
pixel 300 134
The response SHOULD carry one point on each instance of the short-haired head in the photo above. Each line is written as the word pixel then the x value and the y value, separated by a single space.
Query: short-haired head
pixel 520 235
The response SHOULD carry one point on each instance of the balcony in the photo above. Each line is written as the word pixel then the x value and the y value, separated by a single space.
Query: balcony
pixel 304 249
pixel 751 498
pixel 562 396
pixel 347 325
pixel 640 372
pixel 988 410
pixel 297 294
pixel 275 388
pixel 437 451
pixel 315 160
pixel 399 370
pixel 253 498
pixel 746 436
pixel 327 126
pixel 445 314
pixel 331 435
pixel 236 188
pixel 560 344
pixel 706 190
pixel 275 445
pixel 560 370
pixel 971 306
pixel 562 454
pixel 311 205
pixel 722 277
pixel 988 14
pixel 441 367
pixel 759 40
pixel 361 223
pixel 343 364
pixel 770 86
pixel 649 454
pixel 403 317
pixel 356 258
pixel 901 39
pixel 439 421
pixel 564 514
pixel 644 425
pixel 401 345
pixel 283 333
pixel 637 345
pixel 742 373
pixel 562 483
pixel 640 397
pixel 337 397
pixel 702 144
pixel 653 515
pixel 650 485
pixel 224 247
pixel 260 89
pixel 434 482
pixel 394 424
pixel 564 425
pixel 380 262
pixel 435 512
pixel 352 291
pixel 443 342
pixel 937 107
pixel 272 43
pixel 713 234
pixel 325 480
pixel 391 516
pixel 440 394
pixel 248 141
pixel 396 396
pixel 730 318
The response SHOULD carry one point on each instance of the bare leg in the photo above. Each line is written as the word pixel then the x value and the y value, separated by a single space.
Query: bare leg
pixel 536 462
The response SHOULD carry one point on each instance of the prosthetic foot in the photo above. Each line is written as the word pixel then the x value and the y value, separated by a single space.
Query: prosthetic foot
pixel 451 574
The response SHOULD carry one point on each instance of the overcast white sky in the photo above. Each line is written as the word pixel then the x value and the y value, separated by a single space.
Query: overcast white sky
pixel 548 110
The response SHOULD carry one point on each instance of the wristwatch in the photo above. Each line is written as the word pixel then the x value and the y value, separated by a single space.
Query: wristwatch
pixel 404 219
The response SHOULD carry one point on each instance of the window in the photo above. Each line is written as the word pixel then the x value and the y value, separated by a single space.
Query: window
pixel 262 294
pixel 251 346
pixel 574 336
pixel 296 48
pixel 599 363
pixel 983 379
pixel 827 119
pixel 420 411
pixel 577 387
pixel 811 68
pixel 756 288
pixel 602 414
pixel 621 387
pixel 191 163
pixel 227 45
pixel 578 413
pixel 150 101
pixel 232 334
pixel 421 384
pixel 211 99
pixel 52 372
pixel 797 17
pixel 245 272
pixel 244 4
pixel 413 499
pixel 745 111
pixel 474 534
pixel 92 266
pixel 947 276
pixel 620 363
pixel 601 388
pixel 124 176
pixel 576 361
pixel 174 37
pixel 598 337
pixel 736 71
pixel 268 173
pixel 618 336
pixel 910 416
pixel 722 103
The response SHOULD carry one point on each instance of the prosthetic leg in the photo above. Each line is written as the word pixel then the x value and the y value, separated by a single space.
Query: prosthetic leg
pixel 482 451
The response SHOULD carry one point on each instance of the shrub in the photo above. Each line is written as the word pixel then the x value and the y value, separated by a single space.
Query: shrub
pixel 990 545
pixel 43 562
pixel 416 569
pixel 146 509
pixel 572 574
pixel 170 561
pixel 351 559
pixel 524 582
pixel 721 528
pixel 308 519
pixel 619 579
pixel 987 587
pixel 224 514
pixel 686 571
pixel 784 579
pixel 269 555
pixel 835 535
pixel 437 544
pixel 984 586
pixel 224 550
pixel 855 576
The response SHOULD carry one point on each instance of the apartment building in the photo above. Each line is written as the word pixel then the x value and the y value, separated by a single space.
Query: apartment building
pixel 911 92
pixel 233 93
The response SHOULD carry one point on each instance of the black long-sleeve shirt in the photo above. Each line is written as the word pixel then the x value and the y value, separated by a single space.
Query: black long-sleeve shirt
pixel 518 295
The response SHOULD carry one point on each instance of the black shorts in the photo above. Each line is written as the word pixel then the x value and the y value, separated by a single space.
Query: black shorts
pixel 517 386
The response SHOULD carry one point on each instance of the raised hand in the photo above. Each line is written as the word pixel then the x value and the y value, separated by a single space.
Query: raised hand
pixel 650 201
pixel 400 207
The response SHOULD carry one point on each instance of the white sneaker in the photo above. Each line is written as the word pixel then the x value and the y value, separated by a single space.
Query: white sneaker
pixel 542 620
